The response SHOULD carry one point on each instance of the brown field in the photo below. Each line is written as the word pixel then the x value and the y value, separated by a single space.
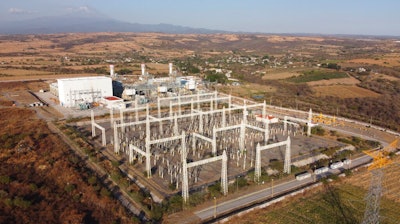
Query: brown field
pixel 382 76
pixel 22 72
pixel 43 77
pixel 247 90
pixel 389 60
pixel 342 81
pixel 279 75
pixel 275 39
pixel 343 91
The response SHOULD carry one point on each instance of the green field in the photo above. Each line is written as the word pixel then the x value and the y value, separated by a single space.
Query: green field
pixel 335 204
pixel 316 75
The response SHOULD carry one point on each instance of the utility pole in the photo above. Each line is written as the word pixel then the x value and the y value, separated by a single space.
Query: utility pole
pixel 215 207
pixel 272 187
pixel 237 183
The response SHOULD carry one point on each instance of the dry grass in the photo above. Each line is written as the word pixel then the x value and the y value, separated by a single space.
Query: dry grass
pixel 343 91
pixel 382 76
pixel 343 81
pixel 23 72
pixel 280 75
pixel 324 204
pixel 389 60
pixel 44 77
pixel 277 39
pixel 390 180
pixel 247 90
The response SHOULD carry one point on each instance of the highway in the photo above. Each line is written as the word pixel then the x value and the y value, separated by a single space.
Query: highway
pixel 271 191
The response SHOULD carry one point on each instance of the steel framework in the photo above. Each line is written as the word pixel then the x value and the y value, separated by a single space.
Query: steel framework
pixel 287 163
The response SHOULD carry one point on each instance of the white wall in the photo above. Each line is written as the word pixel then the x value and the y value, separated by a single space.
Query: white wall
pixel 83 90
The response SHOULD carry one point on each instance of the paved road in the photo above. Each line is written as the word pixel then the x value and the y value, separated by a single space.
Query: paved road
pixel 265 194
pixel 269 192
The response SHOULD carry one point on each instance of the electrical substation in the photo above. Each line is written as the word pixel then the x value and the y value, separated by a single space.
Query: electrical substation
pixel 180 138
pixel 187 142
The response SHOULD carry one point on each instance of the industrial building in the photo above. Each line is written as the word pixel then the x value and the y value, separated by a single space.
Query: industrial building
pixel 148 86
pixel 77 92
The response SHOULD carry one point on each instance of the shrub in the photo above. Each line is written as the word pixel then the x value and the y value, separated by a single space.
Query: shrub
pixel 20 202
pixel 92 180
pixel 104 192
pixel 69 187
pixel 318 131
pixel 156 212
pixel 175 204
pixel 5 179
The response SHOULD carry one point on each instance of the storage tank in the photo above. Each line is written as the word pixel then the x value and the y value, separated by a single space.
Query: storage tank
pixel 111 71
pixel 170 68
pixel 143 67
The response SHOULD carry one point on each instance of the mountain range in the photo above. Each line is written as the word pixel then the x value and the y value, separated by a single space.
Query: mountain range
pixel 90 22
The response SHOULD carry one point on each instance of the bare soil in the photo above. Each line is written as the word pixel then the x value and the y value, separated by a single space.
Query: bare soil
pixel 343 81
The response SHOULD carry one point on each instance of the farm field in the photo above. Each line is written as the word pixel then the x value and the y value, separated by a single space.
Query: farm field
pixel 338 81
pixel 279 75
pixel 248 90
pixel 387 61
pixel 317 75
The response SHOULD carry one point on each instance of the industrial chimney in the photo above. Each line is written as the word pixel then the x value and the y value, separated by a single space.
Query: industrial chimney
pixel 170 68
pixel 143 66
pixel 111 71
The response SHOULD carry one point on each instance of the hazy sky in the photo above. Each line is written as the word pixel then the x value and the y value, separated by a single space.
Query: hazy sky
pixel 377 17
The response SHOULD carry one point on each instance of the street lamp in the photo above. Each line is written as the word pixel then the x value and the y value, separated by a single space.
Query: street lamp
pixel 151 204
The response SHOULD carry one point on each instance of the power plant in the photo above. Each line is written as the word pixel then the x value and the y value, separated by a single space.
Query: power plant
pixel 86 92
pixel 181 138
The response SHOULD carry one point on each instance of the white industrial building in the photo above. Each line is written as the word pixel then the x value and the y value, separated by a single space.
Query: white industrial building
pixel 73 92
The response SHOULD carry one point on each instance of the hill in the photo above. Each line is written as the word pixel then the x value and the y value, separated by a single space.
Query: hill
pixel 85 22
pixel 42 181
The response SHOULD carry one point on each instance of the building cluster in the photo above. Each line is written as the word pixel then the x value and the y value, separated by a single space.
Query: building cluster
pixel 87 92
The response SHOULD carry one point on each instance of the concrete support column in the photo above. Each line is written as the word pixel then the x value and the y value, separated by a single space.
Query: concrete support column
pixel 93 127
pixel 309 123
pixel 287 157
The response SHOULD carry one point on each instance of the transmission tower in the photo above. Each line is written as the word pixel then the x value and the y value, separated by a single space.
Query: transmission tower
pixel 371 214
pixel 380 160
